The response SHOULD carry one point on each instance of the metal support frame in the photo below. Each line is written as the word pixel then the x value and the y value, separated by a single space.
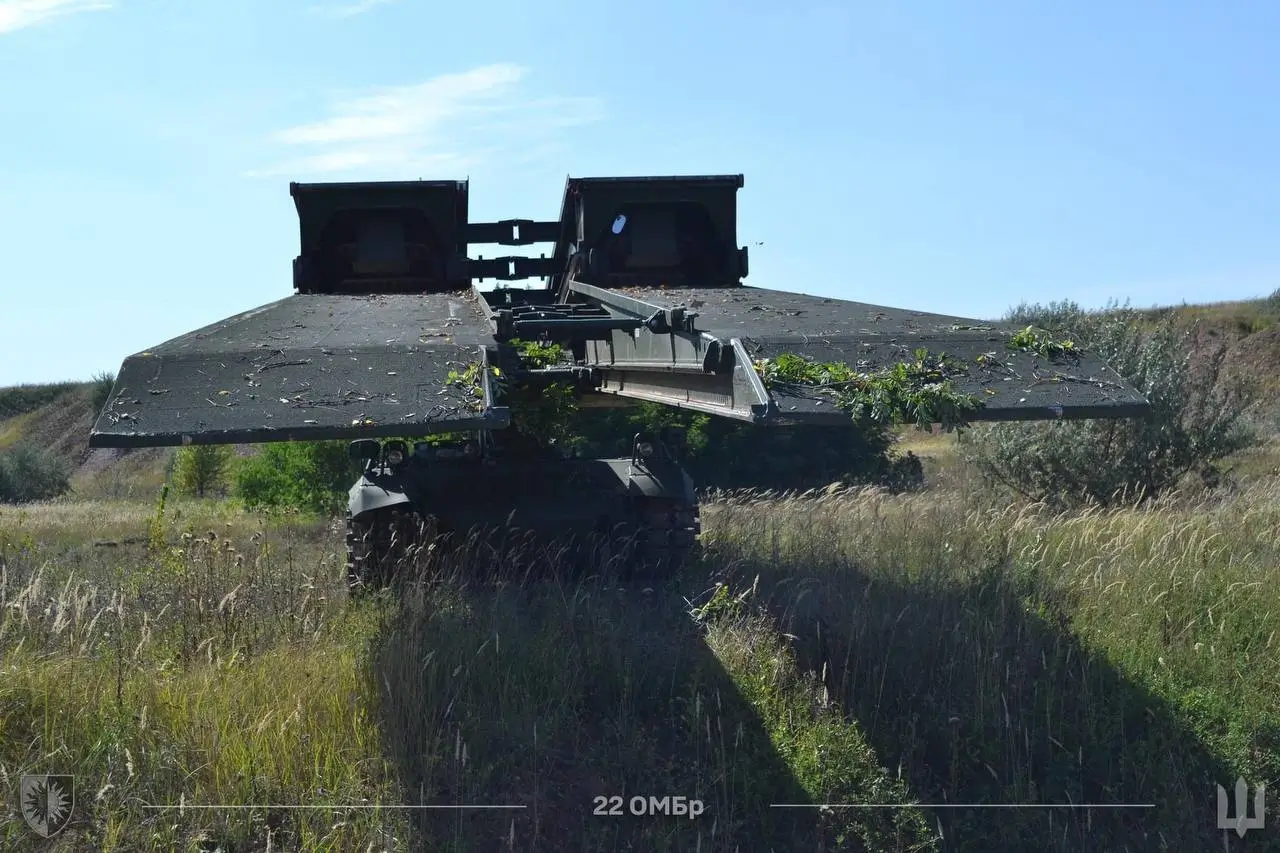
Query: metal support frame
pixel 657 319
pixel 513 232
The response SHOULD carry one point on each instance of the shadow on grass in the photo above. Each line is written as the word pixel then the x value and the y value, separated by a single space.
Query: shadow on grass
pixel 556 695
pixel 980 692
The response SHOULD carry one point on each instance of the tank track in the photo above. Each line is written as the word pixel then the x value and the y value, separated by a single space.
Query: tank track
pixel 664 538
pixel 659 539
pixel 376 545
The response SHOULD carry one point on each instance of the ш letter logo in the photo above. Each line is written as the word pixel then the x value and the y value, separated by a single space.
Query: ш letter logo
pixel 1242 822
pixel 46 803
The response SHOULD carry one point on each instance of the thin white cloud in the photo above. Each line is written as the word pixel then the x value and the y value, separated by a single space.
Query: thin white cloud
pixel 349 10
pixel 19 14
pixel 449 122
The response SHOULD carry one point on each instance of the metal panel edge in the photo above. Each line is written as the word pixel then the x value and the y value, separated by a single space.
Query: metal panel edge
pixel 628 304
pixel 486 388
pixel 745 395
pixel 736 414
pixel 498 418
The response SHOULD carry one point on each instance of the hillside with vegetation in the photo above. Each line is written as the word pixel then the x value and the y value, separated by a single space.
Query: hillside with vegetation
pixel 174 630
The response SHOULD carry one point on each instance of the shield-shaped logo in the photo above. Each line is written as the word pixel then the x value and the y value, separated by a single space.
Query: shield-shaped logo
pixel 46 803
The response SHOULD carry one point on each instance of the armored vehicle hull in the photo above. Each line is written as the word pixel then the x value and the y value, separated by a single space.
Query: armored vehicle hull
pixel 639 511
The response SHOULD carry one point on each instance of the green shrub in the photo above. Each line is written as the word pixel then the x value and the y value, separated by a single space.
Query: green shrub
pixel 1194 422
pixel 201 469
pixel 1063 315
pixel 102 384
pixel 308 476
pixel 29 473
pixel 20 399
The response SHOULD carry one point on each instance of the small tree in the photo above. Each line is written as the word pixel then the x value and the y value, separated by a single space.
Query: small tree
pixel 202 468
pixel 101 386
pixel 311 476
pixel 29 473
pixel 1196 417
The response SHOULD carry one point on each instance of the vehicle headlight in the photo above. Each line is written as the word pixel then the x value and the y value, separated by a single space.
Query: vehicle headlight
pixel 394 457
pixel 645 449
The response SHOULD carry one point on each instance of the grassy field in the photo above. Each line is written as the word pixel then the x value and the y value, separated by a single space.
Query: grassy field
pixel 1244 317
pixel 841 647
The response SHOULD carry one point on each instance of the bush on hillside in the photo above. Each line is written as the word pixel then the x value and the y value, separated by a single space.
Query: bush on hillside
pixel 20 399
pixel 309 476
pixel 1196 417
pixel 102 384
pixel 202 469
pixel 29 473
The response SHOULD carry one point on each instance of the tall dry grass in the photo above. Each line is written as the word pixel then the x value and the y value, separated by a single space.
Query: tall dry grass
pixel 218 664
pixel 838 647
pixel 215 659
pixel 534 689
pixel 1008 654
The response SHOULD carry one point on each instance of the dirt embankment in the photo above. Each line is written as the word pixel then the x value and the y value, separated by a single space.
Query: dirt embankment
pixel 58 419
pixel 1249 353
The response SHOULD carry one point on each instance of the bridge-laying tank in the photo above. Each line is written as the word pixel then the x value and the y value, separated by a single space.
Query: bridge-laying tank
pixel 391 335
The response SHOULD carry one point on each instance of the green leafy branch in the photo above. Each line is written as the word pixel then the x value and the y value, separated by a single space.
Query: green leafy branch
pixel 544 414
pixel 468 381
pixel 1042 343
pixel 537 355
pixel 918 391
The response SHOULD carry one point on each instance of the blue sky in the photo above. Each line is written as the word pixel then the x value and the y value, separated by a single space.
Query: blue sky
pixel 951 157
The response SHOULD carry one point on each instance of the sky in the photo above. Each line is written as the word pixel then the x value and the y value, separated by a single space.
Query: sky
pixel 943 156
